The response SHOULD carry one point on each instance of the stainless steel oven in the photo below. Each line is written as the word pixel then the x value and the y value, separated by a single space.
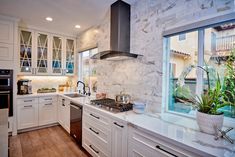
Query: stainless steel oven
pixel 76 122
pixel 6 90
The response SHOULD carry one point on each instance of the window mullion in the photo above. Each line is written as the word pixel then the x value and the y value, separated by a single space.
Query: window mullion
pixel 166 73
pixel 199 84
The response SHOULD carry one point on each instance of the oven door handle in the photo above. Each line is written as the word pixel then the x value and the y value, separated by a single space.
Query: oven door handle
pixel 4 92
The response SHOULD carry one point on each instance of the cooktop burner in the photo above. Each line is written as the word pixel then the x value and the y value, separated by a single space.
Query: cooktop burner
pixel 111 105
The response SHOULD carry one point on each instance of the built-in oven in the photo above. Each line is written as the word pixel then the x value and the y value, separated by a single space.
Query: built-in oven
pixel 6 90
pixel 76 122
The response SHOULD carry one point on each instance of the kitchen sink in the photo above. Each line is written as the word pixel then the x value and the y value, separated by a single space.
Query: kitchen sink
pixel 74 95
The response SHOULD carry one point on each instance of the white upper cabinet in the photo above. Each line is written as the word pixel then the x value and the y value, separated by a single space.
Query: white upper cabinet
pixel 45 53
pixel 70 55
pixel 57 54
pixel 26 46
pixel 6 31
pixel 42 54
pixel 6 40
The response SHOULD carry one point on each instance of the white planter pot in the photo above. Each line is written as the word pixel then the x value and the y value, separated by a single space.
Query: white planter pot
pixel 207 122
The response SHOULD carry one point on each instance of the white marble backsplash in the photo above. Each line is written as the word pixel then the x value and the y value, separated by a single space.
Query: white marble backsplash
pixel 142 78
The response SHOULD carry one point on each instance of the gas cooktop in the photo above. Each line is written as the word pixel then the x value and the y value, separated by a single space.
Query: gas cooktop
pixel 111 105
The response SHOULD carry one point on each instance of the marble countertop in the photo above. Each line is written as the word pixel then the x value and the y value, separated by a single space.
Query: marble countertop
pixel 3 132
pixel 155 124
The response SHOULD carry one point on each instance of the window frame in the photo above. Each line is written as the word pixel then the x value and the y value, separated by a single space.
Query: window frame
pixel 200 28
pixel 80 65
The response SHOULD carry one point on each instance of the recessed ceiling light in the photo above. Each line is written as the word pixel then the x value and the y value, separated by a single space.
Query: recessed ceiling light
pixel 49 18
pixel 77 26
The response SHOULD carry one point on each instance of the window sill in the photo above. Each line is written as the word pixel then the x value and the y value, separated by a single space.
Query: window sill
pixel 189 121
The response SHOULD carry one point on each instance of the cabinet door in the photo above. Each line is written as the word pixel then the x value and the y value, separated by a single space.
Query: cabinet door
pixel 26 49
pixel 119 139
pixel 57 55
pixel 47 113
pixel 27 115
pixel 67 116
pixel 6 32
pixel 61 108
pixel 70 55
pixel 42 54
pixel 6 52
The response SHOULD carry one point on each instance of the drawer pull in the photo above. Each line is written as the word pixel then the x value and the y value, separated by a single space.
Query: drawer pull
pixel 94 116
pixel 63 105
pixel 48 104
pixel 27 106
pixel 97 152
pixel 48 99
pixel 28 100
pixel 121 126
pixel 94 131
pixel 158 147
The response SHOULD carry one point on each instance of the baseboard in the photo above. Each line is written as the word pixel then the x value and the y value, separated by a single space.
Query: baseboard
pixel 37 128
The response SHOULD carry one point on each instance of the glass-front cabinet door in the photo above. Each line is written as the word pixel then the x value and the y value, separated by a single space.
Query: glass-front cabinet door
pixel 26 52
pixel 57 55
pixel 42 54
pixel 70 48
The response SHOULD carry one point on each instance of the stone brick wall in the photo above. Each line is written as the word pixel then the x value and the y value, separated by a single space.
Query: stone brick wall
pixel 142 77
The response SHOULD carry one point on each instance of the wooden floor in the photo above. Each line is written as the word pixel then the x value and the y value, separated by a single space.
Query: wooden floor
pixel 48 142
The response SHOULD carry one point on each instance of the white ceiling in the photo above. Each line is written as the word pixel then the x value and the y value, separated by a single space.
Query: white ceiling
pixel 65 13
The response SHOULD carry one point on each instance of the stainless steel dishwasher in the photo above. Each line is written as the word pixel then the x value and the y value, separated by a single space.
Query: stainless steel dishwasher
pixel 76 122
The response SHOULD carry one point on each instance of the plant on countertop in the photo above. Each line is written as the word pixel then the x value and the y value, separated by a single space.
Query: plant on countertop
pixel 210 101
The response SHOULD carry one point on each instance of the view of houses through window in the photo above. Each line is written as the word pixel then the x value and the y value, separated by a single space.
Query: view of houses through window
pixel 218 57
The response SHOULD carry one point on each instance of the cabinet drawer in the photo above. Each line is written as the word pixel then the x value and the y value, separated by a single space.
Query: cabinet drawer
pixel 94 148
pixel 139 140
pixel 26 101
pixel 101 134
pixel 60 98
pixel 96 118
pixel 47 99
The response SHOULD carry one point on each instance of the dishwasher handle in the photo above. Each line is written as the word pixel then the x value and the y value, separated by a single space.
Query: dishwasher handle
pixel 76 106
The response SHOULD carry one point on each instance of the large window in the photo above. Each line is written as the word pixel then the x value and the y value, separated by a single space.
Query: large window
pixel 87 71
pixel 212 48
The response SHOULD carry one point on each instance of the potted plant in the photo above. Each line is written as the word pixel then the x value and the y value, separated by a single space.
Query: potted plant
pixel 207 105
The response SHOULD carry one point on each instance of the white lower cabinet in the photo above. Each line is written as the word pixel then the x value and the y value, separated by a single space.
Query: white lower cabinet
pixel 64 113
pixel 102 135
pixel 119 138
pixel 96 133
pixel 37 111
pixel 47 111
pixel 27 113
pixel 142 144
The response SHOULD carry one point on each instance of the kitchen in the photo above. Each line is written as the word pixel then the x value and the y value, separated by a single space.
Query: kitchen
pixel 89 78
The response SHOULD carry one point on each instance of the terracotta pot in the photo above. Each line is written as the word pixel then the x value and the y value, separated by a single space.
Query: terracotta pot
pixel 207 122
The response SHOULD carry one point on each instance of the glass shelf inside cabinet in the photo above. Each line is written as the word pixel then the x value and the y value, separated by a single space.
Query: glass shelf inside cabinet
pixel 42 53
pixel 56 55
pixel 25 51
pixel 69 56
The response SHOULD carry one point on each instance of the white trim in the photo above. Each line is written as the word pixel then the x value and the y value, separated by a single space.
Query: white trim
pixel 166 56
pixel 200 62
pixel 228 122
pixel 47 31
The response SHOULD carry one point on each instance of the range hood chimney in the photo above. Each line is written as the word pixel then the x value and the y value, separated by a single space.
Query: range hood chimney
pixel 120 34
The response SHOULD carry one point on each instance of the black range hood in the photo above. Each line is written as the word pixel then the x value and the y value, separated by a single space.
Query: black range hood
pixel 120 34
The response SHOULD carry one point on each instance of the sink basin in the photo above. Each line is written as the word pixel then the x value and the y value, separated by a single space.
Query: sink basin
pixel 74 95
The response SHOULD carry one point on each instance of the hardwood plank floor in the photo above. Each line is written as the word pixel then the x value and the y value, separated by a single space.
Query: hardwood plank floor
pixel 48 142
